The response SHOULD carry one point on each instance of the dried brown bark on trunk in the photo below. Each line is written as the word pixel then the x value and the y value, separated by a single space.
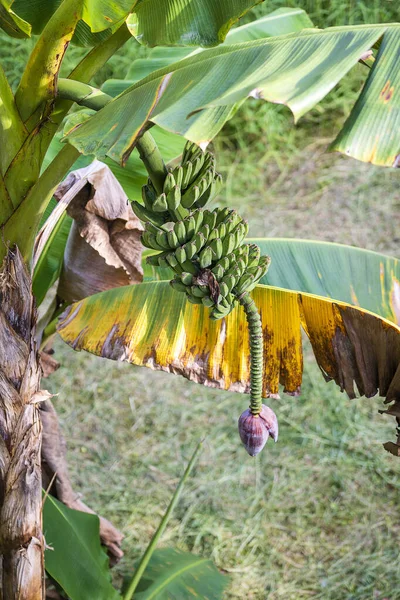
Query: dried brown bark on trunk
pixel 21 539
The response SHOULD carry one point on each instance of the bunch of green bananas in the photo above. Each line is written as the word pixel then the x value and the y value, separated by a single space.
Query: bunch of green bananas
pixel 204 248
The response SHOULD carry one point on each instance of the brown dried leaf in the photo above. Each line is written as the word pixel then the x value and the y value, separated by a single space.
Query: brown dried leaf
pixel 48 363
pixel 103 249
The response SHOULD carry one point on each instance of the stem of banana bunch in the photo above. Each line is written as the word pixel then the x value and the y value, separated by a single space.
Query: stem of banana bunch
pixel 93 98
pixel 90 97
pixel 256 351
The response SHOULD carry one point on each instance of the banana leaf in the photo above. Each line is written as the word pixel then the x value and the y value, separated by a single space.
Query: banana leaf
pixel 298 70
pixel 186 22
pixel 175 574
pixel 155 22
pixel 74 556
pixel 154 326
pixel 279 22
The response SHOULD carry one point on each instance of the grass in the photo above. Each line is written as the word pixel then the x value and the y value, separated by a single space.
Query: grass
pixel 316 515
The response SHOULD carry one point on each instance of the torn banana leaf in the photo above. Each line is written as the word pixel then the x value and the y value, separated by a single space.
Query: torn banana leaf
pixel 297 70
pixel 152 325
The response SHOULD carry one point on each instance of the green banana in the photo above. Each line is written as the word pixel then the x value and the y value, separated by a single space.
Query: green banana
pixel 246 280
pixel 148 196
pixel 190 225
pixel 160 204
pixel 162 240
pixel 187 174
pixel 208 302
pixel 198 217
pixel 209 218
pixel 145 215
pixel 171 260
pixel 198 164
pixel 178 285
pixel 172 239
pixel 178 175
pixel 218 271
pixel 217 247
pixel 229 281
pixel 150 228
pixel 150 241
pixel 200 291
pixel 187 278
pixel 180 232
pixel 224 290
pixel 174 198
pixel 228 244
pixel 169 183
pixel 205 230
pixel 180 254
pixel 190 249
pixel 225 262
pixel 206 257
pixel 190 197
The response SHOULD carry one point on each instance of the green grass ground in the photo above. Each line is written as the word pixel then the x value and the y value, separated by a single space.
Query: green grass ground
pixel 316 515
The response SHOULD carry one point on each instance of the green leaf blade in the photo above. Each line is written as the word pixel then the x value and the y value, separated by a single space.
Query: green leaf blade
pixel 371 133
pixel 297 70
pixel 175 574
pixel 12 23
pixel 186 22
pixel 76 559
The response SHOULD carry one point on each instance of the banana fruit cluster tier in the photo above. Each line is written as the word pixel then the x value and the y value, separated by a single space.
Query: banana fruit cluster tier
pixel 203 247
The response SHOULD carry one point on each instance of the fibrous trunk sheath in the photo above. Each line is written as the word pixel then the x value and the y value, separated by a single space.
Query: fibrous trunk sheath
pixel 21 540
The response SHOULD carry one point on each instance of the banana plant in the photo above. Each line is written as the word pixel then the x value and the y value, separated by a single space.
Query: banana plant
pixel 193 98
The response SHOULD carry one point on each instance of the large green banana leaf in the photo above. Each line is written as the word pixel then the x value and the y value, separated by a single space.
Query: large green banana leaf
pixel 211 120
pixel 279 22
pixel 297 70
pixel 74 555
pixel 154 22
pixel 152 325
pixel 186 22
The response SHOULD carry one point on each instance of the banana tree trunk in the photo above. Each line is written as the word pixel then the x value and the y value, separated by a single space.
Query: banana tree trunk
pixel 21 538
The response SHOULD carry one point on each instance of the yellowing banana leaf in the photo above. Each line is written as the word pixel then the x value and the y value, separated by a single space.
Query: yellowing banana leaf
pixel 297 70
pixel 153 326
pixel 186 22
pixel 360 277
